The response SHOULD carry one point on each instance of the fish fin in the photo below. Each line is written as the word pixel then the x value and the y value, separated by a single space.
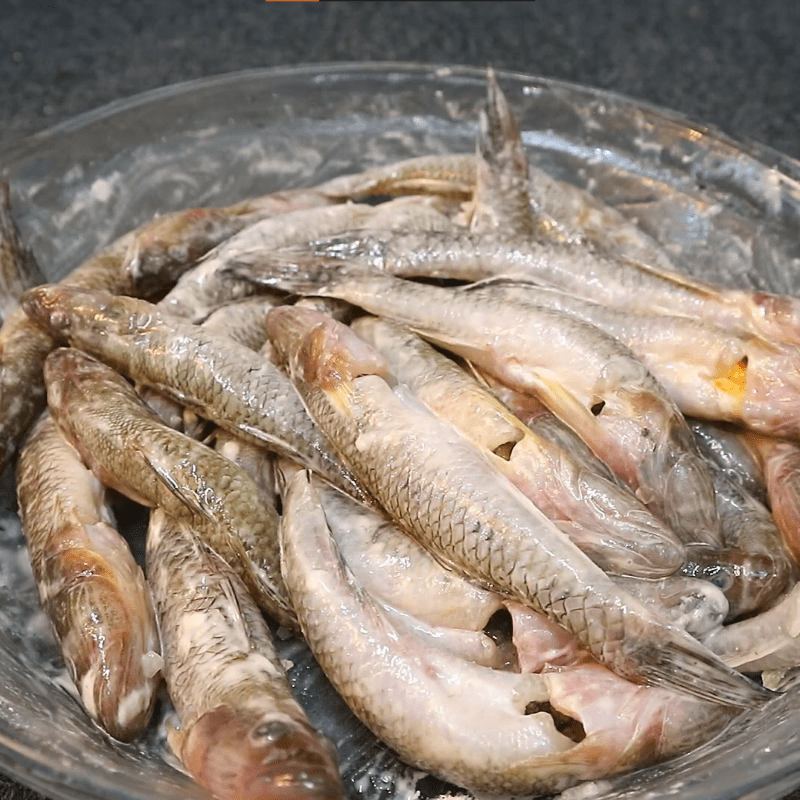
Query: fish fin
pixel 181 492
pixel 272 442
pixel 688 667
pixel 303 271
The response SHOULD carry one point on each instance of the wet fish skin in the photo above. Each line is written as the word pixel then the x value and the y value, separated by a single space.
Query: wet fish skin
pixel 754 568
pixel 18 267
pixel 709 371
pixel 387 678
pixel 589 379
pixel 209 284
pixel 610 524
pixel 89 584
pixel 500 200
pixel 489 745
pixel 568 265
pixel 447 174
pixel 161 249
pixel 780 460
pixel 130 450
pixel 725 446
pixel 438 487
pixel 25 345
pixel 212 375
pixel 242 733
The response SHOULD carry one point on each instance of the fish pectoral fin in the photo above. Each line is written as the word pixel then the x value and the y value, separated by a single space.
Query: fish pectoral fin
pixel 563 403
pixel 179 490
pixel 272 442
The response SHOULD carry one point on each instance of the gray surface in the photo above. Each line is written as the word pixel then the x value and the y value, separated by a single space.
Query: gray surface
pixel 732 63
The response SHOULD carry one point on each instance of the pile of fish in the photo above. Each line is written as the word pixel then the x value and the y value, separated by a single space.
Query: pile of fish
pixel 530 495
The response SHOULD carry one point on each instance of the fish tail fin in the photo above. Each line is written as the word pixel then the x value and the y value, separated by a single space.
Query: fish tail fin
pixel 307 270
pixel 499 136
pixel 686 666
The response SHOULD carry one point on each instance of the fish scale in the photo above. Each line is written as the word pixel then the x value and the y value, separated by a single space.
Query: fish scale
pixel 442 490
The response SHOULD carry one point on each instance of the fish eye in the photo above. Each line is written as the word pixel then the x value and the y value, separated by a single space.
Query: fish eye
pixel 722 579
pixel 272 731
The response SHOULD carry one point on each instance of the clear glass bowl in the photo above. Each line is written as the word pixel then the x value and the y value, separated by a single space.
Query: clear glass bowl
pixel 726 211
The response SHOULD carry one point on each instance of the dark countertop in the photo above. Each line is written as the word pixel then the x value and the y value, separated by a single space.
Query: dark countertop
pixel 731 63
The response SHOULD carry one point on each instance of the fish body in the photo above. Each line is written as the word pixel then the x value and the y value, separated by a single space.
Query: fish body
pixel 710 372
pixel 610 523
pixel 18 267
pixel 440 489
pixel 164 247
pixel 89 584
pixel 589 379
pixel 573 267
pixel 130 450
pixel 242 734
pixel 519 733
pixel 227 383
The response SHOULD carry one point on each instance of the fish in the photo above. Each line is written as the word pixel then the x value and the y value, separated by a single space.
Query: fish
pixel 445 174
pixel 754 567
pixel 161 249
pixel 405 681
pixel 780 463
pixel 589 379
pixel 242 734
pixel 438 487
pixel 171 238
pixel 227 384
pixel 209 284
pixel 767 641
pixel 501 200
pixel 568 265
pixel 92 589
pixel 710 372
pixel 25 345
pixel 19 269
pixel 609 523
pixel 725 446
pixel 128 448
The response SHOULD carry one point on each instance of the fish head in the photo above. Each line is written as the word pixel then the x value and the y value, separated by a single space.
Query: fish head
pixel 260 756
pixel 69 372
pixel 322 352
pixel 68 311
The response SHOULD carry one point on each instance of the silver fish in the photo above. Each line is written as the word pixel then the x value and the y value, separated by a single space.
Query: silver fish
pixel 439 488
pixel 589 379
pixel 89 584
pixel 242 734
pixel 710 372
pixel 159 251
pixel 570 266
pixel 519 733
pixel 614 528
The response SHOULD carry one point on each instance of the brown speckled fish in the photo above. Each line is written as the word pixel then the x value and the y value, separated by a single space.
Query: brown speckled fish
pixel 129 449
pixel 219 379
pixel 89 584
pixel 242 735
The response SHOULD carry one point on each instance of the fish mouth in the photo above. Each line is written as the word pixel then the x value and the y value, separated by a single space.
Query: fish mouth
pixel 274 757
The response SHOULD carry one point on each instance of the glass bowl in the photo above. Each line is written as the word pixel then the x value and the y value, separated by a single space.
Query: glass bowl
pixel 726 211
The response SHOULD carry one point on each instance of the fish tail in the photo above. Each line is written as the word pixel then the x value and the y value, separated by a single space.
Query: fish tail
pixel 688 667
pixel 291 270
pixel 499 132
